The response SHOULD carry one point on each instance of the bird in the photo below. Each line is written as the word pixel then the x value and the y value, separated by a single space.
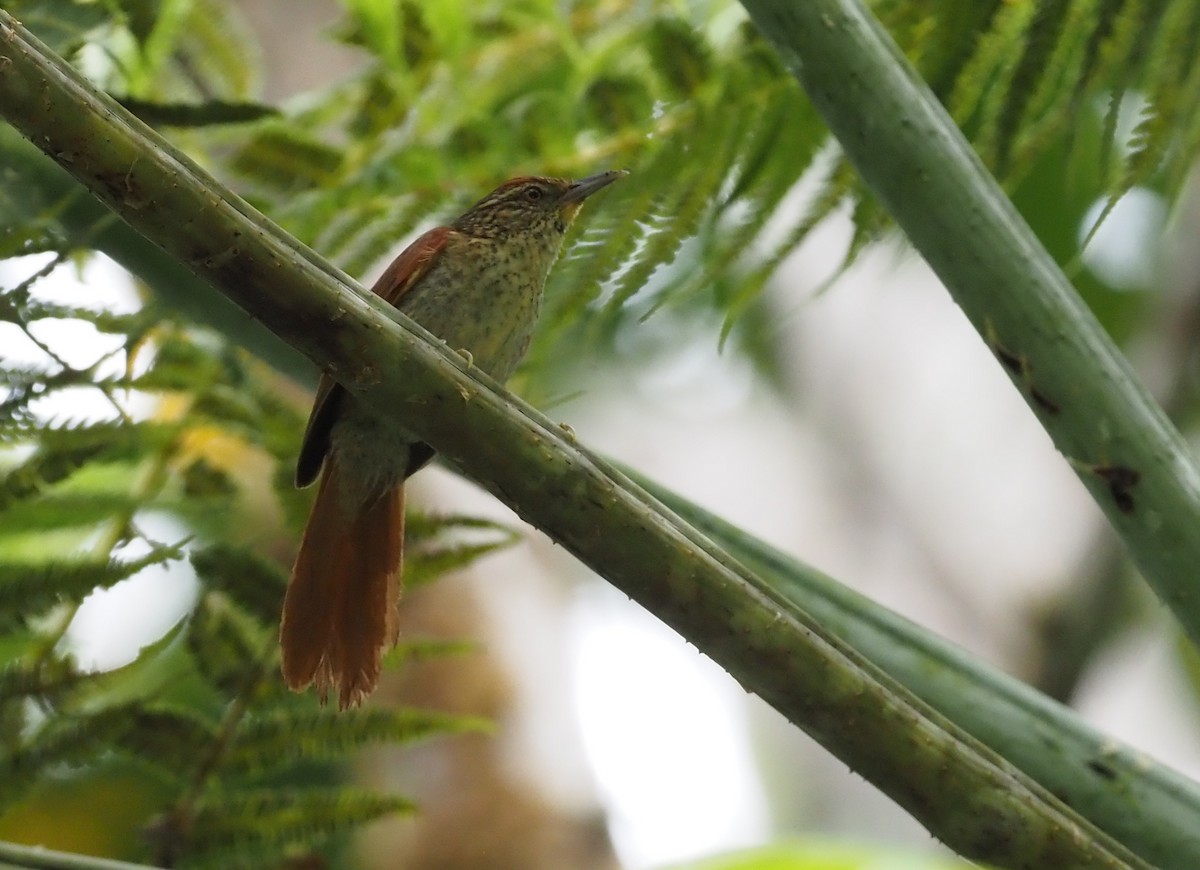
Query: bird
pixel 477 284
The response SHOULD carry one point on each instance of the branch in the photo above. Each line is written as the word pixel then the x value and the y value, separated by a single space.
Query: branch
pixel 88 223
pixel 1091 772
pixel 911 154
pixel 13 855
pixel 968 796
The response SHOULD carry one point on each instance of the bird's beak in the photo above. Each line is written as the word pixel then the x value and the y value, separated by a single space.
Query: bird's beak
pixel 585 187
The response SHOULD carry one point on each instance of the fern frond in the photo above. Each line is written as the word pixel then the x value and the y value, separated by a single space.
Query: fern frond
pixel 681 57
pixel 117 439
pixel 62 26
pixel 1164 62
pixel 411 650
pixel 379 234
pixel 427 564
pixel 210 113
pixel 1053 90
pixel 255 583
pixel 426 560
pixel 1043 37
pixel 237 828
pixel 453 99
pixel 30 588
pixel 21 678
pixel 423 525
pixel 160 670
pixel 263 744
pixel 287 159
pixel 73 510
pixel 984 82
pixel 217 53
pixel 163 740
pixel 111 322
pixel 713 154
pixel 68 741
pixel 1132 33
pixel 21 377
pixel 41 470
pixel 1099 38
pixel 1171 79
pixel 834 189
pixel 226 645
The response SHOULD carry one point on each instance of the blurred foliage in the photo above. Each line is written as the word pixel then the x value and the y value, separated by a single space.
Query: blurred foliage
pixel 826 856
pixel 170 422
pixel 449 98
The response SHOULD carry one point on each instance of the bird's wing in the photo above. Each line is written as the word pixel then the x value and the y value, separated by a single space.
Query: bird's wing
pixel 397 279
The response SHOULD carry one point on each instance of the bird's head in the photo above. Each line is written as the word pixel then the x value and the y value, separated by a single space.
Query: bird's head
pixel 532 206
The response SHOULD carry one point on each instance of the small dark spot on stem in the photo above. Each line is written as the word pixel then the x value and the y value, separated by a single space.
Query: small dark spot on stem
pixel 1009 360
pixel 1101 769
pixel 1119 475
pixel 1044 402
pixel 1120 479
pixel 1019 367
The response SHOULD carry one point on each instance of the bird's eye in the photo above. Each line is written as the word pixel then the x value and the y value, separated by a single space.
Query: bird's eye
pixel 533 194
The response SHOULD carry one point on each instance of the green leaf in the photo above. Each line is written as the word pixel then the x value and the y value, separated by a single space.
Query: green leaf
pixel 285 158
pixel 66 511
pixel 62 740
pixel 680 55
pixel 377 25
pixel 426 560
pixel 255 583
pixel 165 740
pixel 226 645
pixel 23 677
pixel 159 668
pixel 64 25
pixel 41 470
pixel 210 113
pixel 30 588
pixel 141 16
pixel 232 828
pixel 264 743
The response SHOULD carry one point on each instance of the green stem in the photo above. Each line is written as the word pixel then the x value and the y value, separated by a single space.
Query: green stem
pixel 967 795
pixel 1146 806
pixel 910 153
pixel 20 857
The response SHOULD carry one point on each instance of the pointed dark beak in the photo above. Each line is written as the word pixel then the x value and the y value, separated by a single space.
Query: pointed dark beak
pixel 585 187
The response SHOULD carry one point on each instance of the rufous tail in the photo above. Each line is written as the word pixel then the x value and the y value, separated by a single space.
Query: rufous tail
pixel 339 615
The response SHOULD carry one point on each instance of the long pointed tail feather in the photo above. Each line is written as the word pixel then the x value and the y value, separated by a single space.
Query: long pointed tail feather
pixel 339 615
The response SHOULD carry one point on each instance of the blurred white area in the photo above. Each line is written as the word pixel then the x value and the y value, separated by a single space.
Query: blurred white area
pixel 1118 247
pixel 635 684
pixel 100 284
pixel 113 624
